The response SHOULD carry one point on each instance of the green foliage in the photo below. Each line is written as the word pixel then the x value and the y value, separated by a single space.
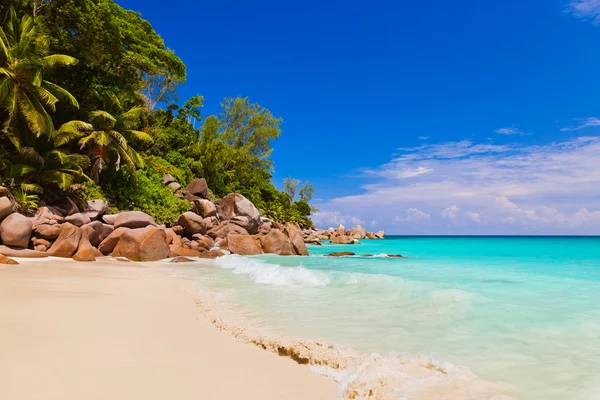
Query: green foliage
pixel 120 71
pixel 144 192
pixel 91 191
pixel 25 202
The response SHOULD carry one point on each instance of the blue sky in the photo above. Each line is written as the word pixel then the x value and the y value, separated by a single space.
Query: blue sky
pixel 436 117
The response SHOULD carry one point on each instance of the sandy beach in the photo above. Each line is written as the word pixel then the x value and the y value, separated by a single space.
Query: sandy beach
pixel 123 331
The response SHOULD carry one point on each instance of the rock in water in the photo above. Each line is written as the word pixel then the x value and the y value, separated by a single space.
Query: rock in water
pixel 243 245
pixel 342 240
pixel 148 244
pixel 276 242
pixel 85 252
pixel 379 234
pixel 181 260
pixel 6 260
pixel 192 223
pixel 212 254
pixel 15 230
pixel 198 187
pixel 340 254
pixel 133 220
pixel 6 207
pixel 67 242
pixel 236 205
pixel 358 232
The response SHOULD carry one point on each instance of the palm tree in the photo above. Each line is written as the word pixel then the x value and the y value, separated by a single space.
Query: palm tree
pixel 23 90
pixel 44 162
pixel 108 140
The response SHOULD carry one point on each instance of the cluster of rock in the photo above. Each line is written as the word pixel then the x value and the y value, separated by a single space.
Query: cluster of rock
pixel 340 235
pixel 232 224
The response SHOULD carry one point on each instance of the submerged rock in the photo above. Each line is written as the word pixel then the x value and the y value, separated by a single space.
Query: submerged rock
pixel 340 254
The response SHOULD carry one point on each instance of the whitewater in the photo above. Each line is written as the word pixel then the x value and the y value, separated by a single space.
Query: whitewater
pixel 456 318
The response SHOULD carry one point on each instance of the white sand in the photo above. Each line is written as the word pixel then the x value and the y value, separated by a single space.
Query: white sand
pixel 74 331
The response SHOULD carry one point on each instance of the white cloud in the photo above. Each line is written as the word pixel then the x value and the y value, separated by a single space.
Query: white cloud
pixel 473 216
pixel 413 215
pixel 583 123
pixel 328 218
pixel 373 223
pixel 588 10
pixel 451 212
pixel 510 130
pixel 515 188
pixel 403 173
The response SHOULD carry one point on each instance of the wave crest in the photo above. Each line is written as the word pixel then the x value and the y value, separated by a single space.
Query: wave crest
pixel 273 274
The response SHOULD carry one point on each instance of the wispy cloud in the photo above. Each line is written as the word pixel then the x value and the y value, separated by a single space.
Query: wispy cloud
pixel 588 10
pixel 510 130
pixel 326 219
pixel 413 215
pixel 515 188
pixel 423 137
pixel 583 123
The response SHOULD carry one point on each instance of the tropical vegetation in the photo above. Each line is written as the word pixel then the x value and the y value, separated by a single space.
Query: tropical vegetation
pixel 89 109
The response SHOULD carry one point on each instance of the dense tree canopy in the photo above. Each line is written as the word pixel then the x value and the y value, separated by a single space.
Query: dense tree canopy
pixel 87 94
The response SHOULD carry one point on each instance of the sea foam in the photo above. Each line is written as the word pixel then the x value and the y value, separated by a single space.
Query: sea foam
pixel 273 274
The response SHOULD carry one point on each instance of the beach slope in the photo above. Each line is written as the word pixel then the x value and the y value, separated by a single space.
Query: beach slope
pixel 73 331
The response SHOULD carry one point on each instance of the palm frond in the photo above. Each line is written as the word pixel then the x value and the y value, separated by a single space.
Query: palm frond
pixel 32 155
pixel 102 119
pixel 48 98
pixel 61 93
pixel 139 135
pixel 20 170
pixel 58 59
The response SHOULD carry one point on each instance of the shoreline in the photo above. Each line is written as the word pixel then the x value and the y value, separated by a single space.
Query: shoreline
pixel 358 375
pixel 72 330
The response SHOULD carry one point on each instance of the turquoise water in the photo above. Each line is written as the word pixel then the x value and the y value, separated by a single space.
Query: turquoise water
pixel 522 311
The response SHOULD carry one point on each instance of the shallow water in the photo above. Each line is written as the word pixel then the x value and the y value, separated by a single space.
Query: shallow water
pixel 522 311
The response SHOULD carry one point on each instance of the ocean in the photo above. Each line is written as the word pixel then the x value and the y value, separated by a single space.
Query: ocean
pixel 522 313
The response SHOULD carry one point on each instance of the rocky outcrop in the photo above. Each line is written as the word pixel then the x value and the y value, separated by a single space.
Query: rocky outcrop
pixel 110 218
pixel 6 208
pixel 149 244
pixel 15 230
pixel 205 242
pixel 343 240
pixel 243 245
pixel 176 251
pixel 6 260
pixel 167 178
pixel 198 187
pixel 133 220
pixel 340 231
pixel 277 242
pixel 204 208
pixel 95 208
pixel 181 259
pixel 85 251
pixel 192 223
pixel 293 232
pixel 358 232
pixel 224 229
pixel 236 205
pixel 78 219
pixel 110 242
pixel 379 234
pixel 212 254
pixel 67 242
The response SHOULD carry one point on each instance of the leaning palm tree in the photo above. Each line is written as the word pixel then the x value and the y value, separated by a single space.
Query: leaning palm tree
pixel 23 90
pixel 108 140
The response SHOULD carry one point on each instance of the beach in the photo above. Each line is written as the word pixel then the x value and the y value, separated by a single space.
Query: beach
pixel 116 330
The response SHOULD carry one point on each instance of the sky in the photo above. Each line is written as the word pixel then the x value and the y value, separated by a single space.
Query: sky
pixel 431 117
